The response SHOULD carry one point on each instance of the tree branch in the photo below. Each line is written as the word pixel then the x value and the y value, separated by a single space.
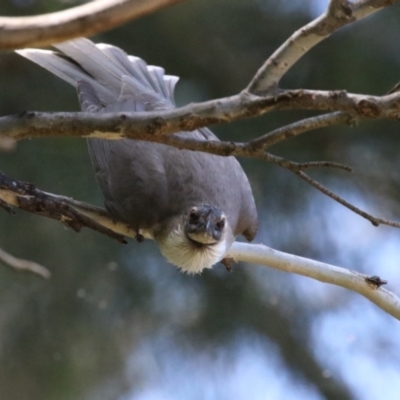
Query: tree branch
pixel 24 265
pixel 72 213
pixel 154 127
pixel 158 127
pixel 299 127
pixel 360 283
pixel 338 14
pixel 24 195
pixel 151 125
pixel 374 220
pixel 84 20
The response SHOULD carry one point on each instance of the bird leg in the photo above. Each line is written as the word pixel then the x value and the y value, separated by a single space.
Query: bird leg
pixel 139 237
pixel 228 263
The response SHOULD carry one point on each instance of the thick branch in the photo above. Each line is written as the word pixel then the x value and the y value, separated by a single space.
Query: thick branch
pixel 338 14
pixel 85 20
pixel 24 265
pixel 150 125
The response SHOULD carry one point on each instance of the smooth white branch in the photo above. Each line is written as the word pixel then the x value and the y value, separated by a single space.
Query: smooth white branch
pixel 352 280
pixel 338 14
pixel 97 217
pixel 24 265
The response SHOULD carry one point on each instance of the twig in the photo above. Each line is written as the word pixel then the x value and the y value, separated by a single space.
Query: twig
pixel 360 283
pixel 338 14
pixel 323 164
pixel 84 20
pixel 374 221
pixel 24 265
pixel 299 127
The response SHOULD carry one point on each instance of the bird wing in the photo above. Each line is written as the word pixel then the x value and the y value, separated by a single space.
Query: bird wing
pixel 144 183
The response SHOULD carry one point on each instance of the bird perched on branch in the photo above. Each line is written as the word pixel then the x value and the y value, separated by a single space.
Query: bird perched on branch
pixel 192 204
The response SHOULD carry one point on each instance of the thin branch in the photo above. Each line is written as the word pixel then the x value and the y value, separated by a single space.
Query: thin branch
pixel 69 212
pixel 360 283
pixel 374 221
pixel 84 20
pixel 299 127
pixel 24 265
pixel 338 14
pixel 151 125
pixel 323 164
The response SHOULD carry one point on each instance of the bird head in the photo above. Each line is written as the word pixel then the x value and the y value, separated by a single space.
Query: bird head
pixel 205 225
pixel 196 239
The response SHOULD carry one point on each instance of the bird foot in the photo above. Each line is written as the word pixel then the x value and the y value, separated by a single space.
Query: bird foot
pixel 139 237
pixel 228 263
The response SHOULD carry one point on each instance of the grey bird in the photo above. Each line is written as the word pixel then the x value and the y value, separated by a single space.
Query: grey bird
pixel 192 204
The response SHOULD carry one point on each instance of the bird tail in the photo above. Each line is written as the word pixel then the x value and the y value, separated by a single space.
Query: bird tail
pixel 107 80
pixel 109 70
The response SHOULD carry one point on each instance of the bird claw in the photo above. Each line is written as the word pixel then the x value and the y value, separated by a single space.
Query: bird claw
pixel 228 263
pixel 139 237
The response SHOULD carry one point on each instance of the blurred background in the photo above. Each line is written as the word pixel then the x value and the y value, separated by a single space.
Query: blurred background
pixel 118 322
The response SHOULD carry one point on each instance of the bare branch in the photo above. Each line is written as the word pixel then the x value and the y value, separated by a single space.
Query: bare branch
pixel 299 127
pixel 338 14
pixel 374 221
pixel 154 127
pixel 323 164
pixel 151 125
pixel 260 254
pixel 24 265
pixel 84 20
pixel 69 212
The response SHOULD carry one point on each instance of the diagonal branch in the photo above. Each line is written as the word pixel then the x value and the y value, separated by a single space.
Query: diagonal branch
pixel 374 220
pixel 84 20
pixel 302 126
pixel 69 212
pixel 338 14
pixel 360 283
pixel 24 265
pixel 18 194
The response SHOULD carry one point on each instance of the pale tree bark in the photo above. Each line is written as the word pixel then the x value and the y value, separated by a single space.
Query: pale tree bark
pixel 24 265
pixel 262 95
pixel 84 20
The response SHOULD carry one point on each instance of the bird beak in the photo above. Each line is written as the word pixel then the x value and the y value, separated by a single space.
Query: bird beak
pixel 204 227
pixel 209 226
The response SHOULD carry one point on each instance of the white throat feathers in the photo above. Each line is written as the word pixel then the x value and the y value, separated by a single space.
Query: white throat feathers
pixel 189 256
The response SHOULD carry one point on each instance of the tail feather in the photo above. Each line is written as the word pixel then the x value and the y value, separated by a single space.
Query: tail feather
pixel 67 70
pixel 104 67
pixel 95 62
pixel 107 79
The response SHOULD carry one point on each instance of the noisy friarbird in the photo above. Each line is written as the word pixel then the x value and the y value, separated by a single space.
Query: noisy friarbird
pixel 192 204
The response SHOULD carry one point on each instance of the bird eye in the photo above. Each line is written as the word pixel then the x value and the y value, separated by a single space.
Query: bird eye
pixel 221 224
pixel 193 216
